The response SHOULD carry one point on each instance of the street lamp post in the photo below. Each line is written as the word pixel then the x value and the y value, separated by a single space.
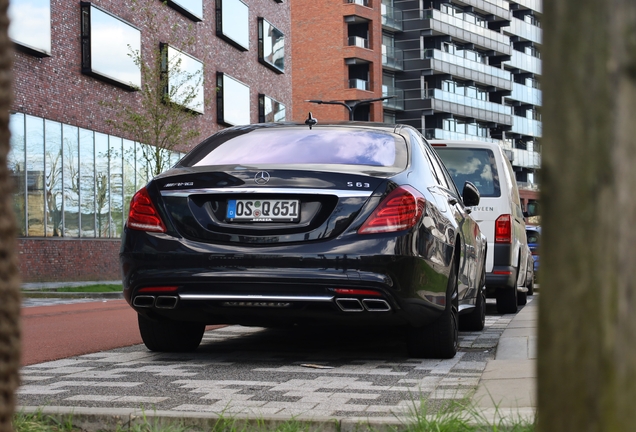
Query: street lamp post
pixel 350 106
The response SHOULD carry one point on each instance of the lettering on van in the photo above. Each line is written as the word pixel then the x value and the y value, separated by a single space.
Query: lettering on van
pixel 483 209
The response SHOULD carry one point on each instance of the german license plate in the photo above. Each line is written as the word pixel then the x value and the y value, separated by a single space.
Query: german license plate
pixel 273 210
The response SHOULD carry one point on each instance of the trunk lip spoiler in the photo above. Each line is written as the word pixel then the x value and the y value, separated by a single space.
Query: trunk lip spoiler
pixel 343 193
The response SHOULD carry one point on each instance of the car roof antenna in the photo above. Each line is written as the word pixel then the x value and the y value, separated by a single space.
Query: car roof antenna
pixel 311 121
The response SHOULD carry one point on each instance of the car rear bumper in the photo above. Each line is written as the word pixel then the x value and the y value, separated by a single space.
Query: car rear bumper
pixel 283 285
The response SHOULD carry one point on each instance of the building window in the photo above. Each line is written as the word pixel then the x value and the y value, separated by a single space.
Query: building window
pixel 270 110
pixel 185 78
pixel 72 182
pixel 30 26
pixel 232 100
pixel 193 9
pixel 232 23
pixel 271 46
pixel 110 46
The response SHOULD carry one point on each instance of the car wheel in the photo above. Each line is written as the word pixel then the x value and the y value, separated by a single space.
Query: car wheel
pixel 522 298
pixel 507 300
pixel 531 286
pixel 170 336
pixel 440 339
pixel 476 319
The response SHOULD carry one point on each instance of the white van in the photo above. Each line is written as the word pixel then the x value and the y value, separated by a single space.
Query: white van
pixel 498 214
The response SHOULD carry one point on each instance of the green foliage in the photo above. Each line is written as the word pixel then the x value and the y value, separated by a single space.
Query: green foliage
pixel 161 113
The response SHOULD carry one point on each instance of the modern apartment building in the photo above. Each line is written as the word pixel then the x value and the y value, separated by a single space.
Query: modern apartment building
pixel 456 69
pixel 75 172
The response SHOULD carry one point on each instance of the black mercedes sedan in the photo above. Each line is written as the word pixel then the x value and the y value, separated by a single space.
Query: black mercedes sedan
pixel 346 224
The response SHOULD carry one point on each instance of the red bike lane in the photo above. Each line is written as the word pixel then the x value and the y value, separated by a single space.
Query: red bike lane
pixel 59 331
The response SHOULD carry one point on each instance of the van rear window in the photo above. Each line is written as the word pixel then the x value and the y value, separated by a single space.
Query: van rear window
pixel 477 166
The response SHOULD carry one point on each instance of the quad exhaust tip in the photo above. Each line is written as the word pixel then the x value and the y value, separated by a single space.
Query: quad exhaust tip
pixel 160 302
pixel 356 305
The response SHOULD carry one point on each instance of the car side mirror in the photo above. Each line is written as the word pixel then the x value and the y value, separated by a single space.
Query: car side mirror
pixel 470 195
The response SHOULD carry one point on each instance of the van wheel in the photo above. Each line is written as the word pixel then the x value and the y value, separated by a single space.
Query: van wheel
pixel 507 300
pixel 170 336
pixel 440 339
pixel 522 298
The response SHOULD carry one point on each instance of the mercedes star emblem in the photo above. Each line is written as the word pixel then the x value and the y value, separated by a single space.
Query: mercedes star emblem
pixel 261 177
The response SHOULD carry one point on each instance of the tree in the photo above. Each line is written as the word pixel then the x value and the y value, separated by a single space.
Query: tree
pixel 170 95
pixel 9 276
pixel 587 320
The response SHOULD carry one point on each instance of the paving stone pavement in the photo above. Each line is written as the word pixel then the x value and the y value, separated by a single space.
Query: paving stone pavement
pixel 256 371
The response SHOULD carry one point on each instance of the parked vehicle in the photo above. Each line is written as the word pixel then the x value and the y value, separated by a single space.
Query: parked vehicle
pixel 533 234
pixel 353 224
pixel 499 215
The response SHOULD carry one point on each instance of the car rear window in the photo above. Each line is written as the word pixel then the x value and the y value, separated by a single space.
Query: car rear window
pixel 477 166
pixel 304 147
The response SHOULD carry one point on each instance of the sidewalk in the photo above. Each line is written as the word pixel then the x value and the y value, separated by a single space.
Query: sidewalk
pixel 508 388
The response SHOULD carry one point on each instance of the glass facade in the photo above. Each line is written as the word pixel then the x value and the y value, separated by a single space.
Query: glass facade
pixel 70 181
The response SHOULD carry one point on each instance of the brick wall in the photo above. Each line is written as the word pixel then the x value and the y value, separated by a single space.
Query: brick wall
pixel 55 88
pixel 64 260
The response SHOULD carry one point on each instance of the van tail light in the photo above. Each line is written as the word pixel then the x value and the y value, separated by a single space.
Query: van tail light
pixel 400 210
pixel 503 229
pixel 143 215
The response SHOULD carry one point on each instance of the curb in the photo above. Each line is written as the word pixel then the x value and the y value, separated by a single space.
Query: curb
pixel 125 419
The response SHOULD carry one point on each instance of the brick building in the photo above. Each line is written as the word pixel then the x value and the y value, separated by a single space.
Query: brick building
pixel 75 173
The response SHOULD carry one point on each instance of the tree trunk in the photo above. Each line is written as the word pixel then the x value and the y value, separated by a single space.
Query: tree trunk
pixel 9 278
pixel 587 315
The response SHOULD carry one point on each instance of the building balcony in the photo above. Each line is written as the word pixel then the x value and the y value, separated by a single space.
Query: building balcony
pixel 527 127
pixel 436 22
pixel 392 58
pixel 359 2
pixel 455 136
pixel 526 95
pixel 358 41
pixel 391 18
pixel 460 66
pixel 524 62
pixel 397 101
pixel 359 84
pixel 467 101
pixel 524 30
pixel 535 5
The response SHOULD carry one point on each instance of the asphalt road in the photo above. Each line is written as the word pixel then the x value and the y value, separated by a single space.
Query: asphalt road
pixel 90 355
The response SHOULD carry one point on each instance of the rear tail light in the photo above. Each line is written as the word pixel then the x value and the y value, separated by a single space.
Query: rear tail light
pixel 355 291
pixel 158 289
pixel 503 229
pixel 143 215
pixel 400 210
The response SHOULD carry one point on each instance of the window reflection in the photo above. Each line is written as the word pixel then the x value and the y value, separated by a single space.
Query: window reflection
pixel 233 101
pixel 31 25
pixel 17 167
pixel 35 175
pixel 67 178
pixel 191 8
pixel 70 149
pixel 87 183
pixel 270 110
pixel 234 23
pixel 102 186
pixel 53 188
pixel 109 47
pixel 271 45
pixel 185 79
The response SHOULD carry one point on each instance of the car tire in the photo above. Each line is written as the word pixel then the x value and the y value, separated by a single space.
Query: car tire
pixel 476 319
pixel 170 336
pixel 507 300
pixel 531 286
pixel 440 339
pixel 522 298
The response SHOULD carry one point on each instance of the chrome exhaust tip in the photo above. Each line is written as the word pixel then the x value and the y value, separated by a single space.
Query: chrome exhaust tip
pixel 166 302
pixel 144 301
pixel 376 305
pixel 349 305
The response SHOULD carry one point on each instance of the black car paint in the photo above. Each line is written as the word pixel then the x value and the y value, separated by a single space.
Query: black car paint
pixel 409 268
